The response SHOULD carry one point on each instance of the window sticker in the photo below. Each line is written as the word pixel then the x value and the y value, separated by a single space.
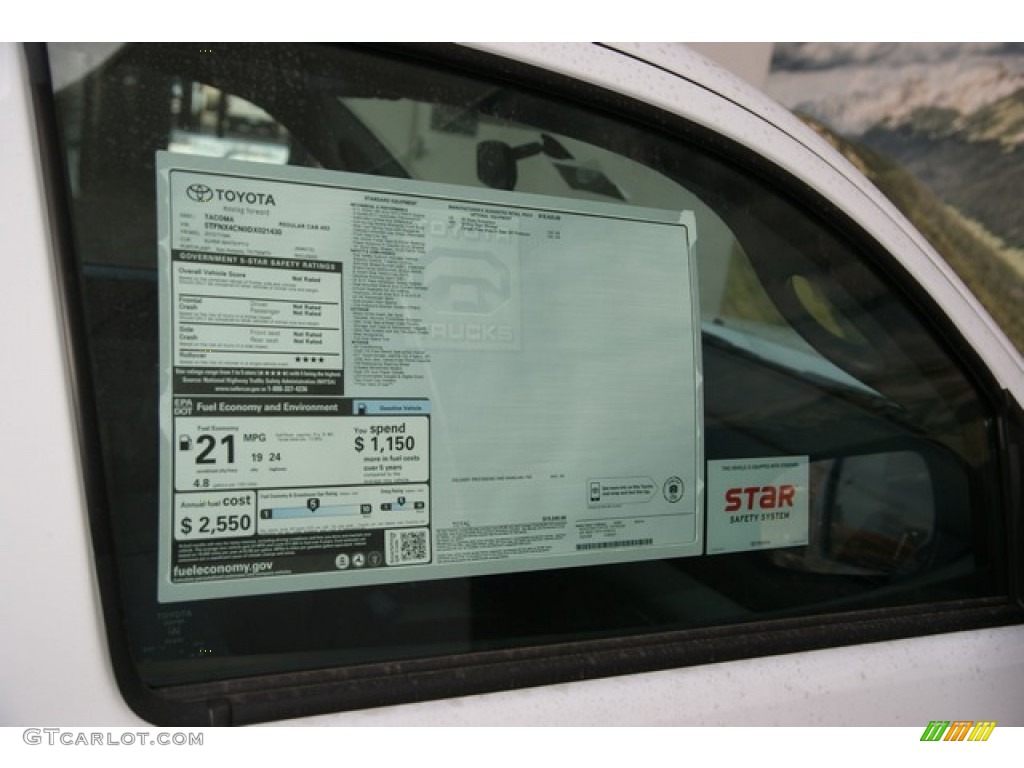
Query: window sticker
pixel 369 380
pixel 757 504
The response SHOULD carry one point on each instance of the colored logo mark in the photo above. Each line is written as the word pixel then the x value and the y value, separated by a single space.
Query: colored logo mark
pixel 958 730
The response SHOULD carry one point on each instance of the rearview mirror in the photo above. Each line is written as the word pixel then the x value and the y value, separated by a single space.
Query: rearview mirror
pixel 496 161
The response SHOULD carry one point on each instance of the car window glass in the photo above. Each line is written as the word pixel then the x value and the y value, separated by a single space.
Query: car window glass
pixel 819 376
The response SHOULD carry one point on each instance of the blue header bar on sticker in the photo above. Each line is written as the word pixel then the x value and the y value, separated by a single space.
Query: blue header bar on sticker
pixel 390 407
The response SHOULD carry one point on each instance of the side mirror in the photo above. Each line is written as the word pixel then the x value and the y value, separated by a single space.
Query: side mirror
pixel 883 513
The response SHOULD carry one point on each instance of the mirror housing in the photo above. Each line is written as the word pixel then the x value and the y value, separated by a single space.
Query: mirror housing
pixel 885 512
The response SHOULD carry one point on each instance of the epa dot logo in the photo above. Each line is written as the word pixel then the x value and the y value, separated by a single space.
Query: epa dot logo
pixel 673 489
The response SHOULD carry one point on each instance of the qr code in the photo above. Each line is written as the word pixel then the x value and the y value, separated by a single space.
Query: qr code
pixel 406 547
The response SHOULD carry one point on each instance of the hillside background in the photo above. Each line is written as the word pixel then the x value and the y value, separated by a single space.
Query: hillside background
pixel 939 129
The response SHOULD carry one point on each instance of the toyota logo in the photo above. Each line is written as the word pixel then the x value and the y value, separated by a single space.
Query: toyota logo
pixel 199 192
